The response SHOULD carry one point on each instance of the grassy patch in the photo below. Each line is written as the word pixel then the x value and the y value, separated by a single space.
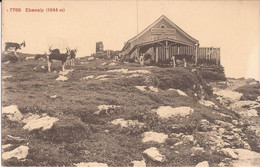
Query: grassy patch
pixel 250 92
pixel 80 135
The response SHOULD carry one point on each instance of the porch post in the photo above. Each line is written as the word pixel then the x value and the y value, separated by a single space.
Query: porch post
pixel 196 53
pixel 137 58
pixel 137 50
pixel 156 54
pixel 167 50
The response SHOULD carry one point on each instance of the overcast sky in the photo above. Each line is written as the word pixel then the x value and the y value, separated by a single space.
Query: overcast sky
pixel 234 26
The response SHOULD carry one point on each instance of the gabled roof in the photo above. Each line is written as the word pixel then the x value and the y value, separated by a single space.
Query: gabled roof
pixel 168 20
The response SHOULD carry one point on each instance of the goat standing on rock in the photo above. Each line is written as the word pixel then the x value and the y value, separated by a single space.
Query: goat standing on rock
pixel 15 46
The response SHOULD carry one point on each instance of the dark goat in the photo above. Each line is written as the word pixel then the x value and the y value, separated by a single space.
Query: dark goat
pixel 63 57
pixel 54 51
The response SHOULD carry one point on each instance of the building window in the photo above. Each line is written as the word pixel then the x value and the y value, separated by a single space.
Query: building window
pixel 162 26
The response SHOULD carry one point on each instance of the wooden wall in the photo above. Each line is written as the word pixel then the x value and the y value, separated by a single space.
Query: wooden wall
pixel 173 51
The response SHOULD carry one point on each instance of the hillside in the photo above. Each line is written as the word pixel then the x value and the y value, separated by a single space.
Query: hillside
pixel 106 113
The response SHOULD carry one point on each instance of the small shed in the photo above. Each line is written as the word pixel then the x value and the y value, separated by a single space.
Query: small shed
pixel 99 47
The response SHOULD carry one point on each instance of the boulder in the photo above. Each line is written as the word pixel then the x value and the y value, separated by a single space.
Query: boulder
pixel 7 62
pixel 208 104
pixel 237 130
pixel 122 70
pixel 65 72
pixel 127 123
pixel 141 88
pixel 229 137
pixel 154 89
pixel 188 138
pixel 15 139
pixel 112 64
pixel 168 111
pixel 246 158
pixel 229 153
pixel 252 113
pixel 139 71
pixel 179 143
pixel 258 99
pixel 197 150
pixel 229 117
pixel 244 104
pixel 203 164
pixel 221 130
pixel 138 163
pixel 253 83
pixel 101 76
pixel 154 137
pixel 91 58
pixel 154 154
pixel 5 146
pixel 229 94
pixel 53 97
pixel 61 78
pixel 127 71
pixel 19 153
pixel 176 135
pixel 134 75
pixel 12 113
pixel 181 93
pixel 83 62
pixel 246 145
pixel 87 77
pixel 90 164
pixel 234 122
pixel 6 77
pixel 35 121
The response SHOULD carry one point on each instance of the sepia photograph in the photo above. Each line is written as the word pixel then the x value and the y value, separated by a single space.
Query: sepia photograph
pixel 132 83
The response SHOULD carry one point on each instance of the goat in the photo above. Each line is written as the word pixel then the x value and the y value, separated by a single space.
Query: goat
pixel 73 56
pixel 63 57
pixel 55 51
pixel 16 46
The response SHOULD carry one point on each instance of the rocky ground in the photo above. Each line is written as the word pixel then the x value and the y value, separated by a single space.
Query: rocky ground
pixel 106 113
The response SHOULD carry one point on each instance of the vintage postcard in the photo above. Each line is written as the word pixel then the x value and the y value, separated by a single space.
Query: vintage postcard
pixel 135 83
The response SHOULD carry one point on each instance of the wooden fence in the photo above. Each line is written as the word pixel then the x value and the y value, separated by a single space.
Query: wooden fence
pixel 209 55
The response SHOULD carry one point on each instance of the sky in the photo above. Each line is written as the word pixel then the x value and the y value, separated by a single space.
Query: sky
pixel 234 26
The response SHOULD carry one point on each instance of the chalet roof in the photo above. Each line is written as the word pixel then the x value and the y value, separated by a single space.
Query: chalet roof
pixel 154 23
